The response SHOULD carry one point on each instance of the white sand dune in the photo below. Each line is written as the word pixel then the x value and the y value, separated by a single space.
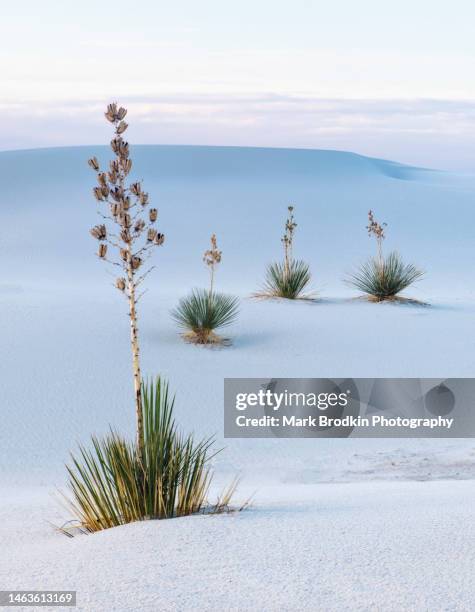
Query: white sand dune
pixel 357 542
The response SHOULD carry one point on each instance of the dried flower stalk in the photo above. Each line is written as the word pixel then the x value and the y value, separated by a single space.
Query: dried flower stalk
pixel 287 240
pixel 212 257
pixel 123 208
pixel 377 230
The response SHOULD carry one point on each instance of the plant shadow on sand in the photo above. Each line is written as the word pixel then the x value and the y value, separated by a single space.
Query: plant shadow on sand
pixel 394 301
pixel 448 307
pixel 262 296
pixel 312 300
pixel 252 339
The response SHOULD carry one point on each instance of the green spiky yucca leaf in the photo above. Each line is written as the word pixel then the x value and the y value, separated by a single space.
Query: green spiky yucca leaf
pixel 385 281
pixel 287 282
pixel 202 312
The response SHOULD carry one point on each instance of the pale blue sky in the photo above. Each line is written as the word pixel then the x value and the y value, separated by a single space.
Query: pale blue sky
pixel 389 79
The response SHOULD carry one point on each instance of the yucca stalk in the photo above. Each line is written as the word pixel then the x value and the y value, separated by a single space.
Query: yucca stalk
pixel 377 230
pixel 112 484
pixel 287 241
pixel 212 257
pixel 134 235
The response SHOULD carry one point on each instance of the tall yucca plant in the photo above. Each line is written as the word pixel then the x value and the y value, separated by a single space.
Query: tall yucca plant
pixel 111 484
pixel 126 236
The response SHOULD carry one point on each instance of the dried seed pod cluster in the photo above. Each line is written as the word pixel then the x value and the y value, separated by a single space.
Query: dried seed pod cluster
pixel 377 230
pixel 139 226
pixel 374 228
pixel 94 163
pixel 99 232
pixel 212 257
pixel 125 206
pixel 120 283
pixel 136 262
pixel 151 235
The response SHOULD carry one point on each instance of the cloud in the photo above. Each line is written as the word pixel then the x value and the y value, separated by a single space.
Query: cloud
pixel 378 127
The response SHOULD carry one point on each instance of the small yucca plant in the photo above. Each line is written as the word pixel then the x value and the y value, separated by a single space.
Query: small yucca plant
pixel 384 281
pixel 112 485
pixel 204 311
pixel 289 278
pixel 383 278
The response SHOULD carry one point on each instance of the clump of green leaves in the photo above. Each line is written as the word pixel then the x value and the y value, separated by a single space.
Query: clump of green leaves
pixel 384 281
pixel 202 313
pixel 287 282
pixel 112 485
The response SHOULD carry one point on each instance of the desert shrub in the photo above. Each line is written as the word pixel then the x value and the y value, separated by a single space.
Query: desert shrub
pixel 287 282
pixel 202 313
pixel 385 279
pixel 289 278
pixel 111 485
